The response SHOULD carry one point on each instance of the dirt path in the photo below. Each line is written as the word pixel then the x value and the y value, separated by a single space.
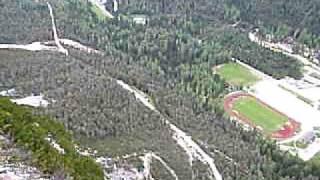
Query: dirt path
pixel 254 38
pixel 102 8
pixel 35 46
pixel 147 160
pixel 79 46
pixel 55 34
pixel 40 46
pixel 185 141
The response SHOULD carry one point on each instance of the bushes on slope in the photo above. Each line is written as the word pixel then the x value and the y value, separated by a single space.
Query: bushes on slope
pixel 30 132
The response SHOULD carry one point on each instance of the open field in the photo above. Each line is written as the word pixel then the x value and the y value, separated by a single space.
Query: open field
pixel 98 12
pixel 261 115
pixel 236 74
pixel 99 9
pixel 253 112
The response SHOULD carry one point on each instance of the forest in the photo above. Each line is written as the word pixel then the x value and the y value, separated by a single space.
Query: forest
pixel 298 19
pixel 171 59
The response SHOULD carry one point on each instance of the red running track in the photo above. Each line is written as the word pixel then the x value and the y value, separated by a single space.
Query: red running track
pixel 287 131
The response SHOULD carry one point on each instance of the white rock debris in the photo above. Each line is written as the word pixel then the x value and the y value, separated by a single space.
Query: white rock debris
pixel 104 161
pixel 131 173
pixel 85 151
pixel 169 169
pixel 125 174
pixel 127 156
pixel 18 171
pixel 10 92
pixel 147 159
pixel 15 170
pixel 34 101
pixel 10 176
pixel 54 144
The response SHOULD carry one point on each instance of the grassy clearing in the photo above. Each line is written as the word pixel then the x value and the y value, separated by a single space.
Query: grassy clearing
pixel 237 75
pixel 260 114
pixel 95 9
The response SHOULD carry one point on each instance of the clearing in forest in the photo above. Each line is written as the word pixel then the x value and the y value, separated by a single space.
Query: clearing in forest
pixel 237 75
pixel 98 12
pixel 260 114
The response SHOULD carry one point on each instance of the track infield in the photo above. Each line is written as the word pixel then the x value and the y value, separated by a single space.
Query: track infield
pixel 261 115
pixel 252 111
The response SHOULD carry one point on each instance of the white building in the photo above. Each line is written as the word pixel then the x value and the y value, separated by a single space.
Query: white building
pixel 140 19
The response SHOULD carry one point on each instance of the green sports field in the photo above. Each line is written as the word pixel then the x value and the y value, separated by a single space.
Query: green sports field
pixel 237 75
pixel 259 114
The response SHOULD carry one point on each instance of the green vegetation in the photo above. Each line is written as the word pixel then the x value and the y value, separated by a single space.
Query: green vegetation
pixel 298 144
pixel 30 132
pixel 301 144
pixel 315 161
pixel 170 58
pixel 236 74
pixel 97 11
pixel 282 18
pixel 260 114
pixel 199 81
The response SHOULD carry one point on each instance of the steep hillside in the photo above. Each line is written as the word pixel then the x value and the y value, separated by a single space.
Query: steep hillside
pixel 37 134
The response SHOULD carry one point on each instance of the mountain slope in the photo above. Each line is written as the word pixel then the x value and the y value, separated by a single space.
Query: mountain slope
pixel 170 59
